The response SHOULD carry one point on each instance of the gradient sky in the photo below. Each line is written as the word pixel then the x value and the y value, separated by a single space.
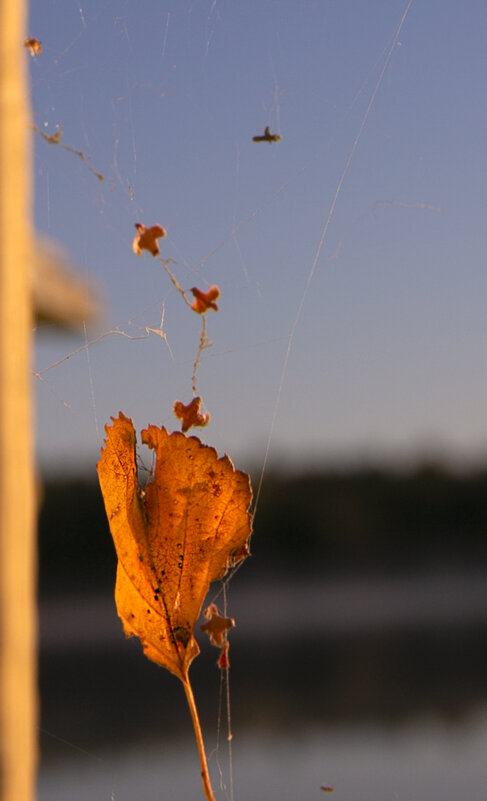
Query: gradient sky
pixel 164 98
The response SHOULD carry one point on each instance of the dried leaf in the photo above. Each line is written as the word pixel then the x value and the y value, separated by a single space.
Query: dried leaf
pixel 267 137
pixel 188 529
pixel 33 45
pixel 205 300
pixel 52 139
pixel 216 625
pixel 146 239
pixel 190 414
pixel 224 660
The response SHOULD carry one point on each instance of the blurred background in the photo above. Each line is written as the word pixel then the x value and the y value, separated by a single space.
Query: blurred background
pixel 359 657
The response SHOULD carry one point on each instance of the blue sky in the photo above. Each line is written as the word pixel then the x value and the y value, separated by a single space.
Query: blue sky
pixel 387 359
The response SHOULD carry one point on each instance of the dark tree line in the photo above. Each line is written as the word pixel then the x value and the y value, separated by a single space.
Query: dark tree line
pixel 364 519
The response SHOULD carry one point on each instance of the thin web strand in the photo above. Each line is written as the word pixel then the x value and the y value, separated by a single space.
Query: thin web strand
pixel 204 343
pixel 226 680
pixel 113 332
pixel 321 242
pixel 224 693
pixel 92 386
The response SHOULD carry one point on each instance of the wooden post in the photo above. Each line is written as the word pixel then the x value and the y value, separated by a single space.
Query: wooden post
pixel 18 697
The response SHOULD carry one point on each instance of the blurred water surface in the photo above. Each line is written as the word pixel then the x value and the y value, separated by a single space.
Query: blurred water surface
pixel 374 685
pixel 422 762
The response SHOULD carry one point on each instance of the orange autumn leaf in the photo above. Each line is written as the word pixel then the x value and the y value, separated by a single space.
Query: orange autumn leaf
pixel 33 45
pixel 146 239
pixel 216 625
pixel 190 415
pixel 189 527
pixel 205 300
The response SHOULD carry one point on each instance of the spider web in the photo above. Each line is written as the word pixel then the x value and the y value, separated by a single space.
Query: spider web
pixel 171 133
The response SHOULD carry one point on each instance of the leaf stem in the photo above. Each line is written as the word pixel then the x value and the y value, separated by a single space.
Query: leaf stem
pixel 205 776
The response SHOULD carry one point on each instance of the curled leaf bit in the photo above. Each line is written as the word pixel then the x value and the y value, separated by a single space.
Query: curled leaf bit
pixel 224 660
pixel 190 415
pixel 146 239
pixel 205 300
pixel 52 139
pixel 33 45
pixel 216 625
pixel 267 137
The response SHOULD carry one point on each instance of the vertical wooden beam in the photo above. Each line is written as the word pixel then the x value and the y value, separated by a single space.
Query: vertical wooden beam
pixel 18 702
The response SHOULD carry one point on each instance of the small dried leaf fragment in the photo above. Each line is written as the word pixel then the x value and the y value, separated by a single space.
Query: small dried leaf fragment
pixel 224 660
pixel 205 300
pixel 33 45
pixel 216 625
pixel 52 139
pixel 189 528
pixel 267 137
pixel 190 415
pixel 146 239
